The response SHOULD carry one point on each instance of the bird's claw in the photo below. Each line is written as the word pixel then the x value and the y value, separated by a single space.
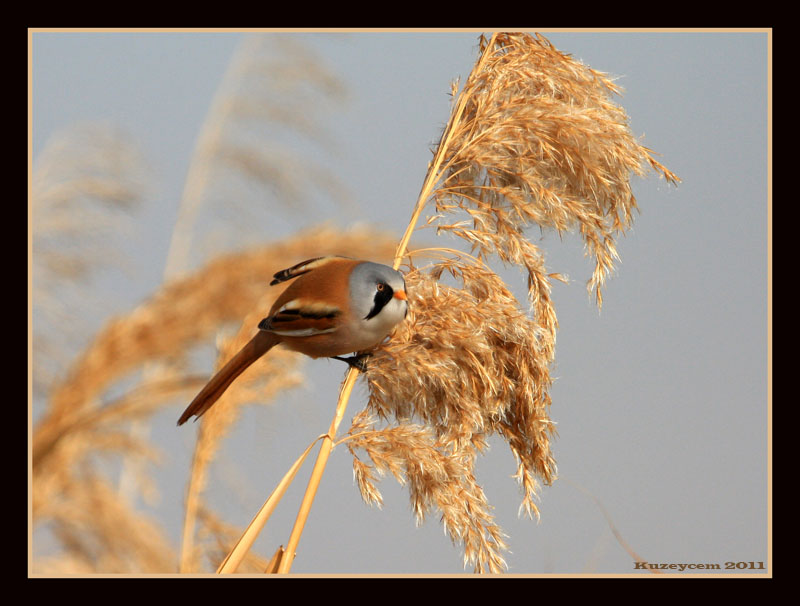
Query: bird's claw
pixel 358 361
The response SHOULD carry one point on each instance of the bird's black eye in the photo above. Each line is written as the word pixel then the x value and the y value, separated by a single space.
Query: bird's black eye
pixel 380 286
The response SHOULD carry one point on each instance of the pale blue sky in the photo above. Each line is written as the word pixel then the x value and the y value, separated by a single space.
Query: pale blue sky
pixel 660 400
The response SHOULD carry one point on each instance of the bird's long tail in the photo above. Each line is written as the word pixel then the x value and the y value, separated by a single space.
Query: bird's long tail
pixel 255 348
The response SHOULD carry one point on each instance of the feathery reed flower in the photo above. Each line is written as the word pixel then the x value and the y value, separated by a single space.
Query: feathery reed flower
pixel 85 185
pixel 534 138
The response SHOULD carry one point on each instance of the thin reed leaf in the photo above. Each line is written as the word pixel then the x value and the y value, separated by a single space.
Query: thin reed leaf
pixel 245 542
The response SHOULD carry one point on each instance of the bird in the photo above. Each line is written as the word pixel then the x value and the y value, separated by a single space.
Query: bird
pixel 334 306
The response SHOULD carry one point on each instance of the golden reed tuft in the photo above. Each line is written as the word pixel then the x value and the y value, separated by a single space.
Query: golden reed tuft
pixel 534 139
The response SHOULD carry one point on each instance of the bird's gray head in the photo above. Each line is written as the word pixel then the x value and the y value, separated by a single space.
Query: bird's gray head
pixel 378 293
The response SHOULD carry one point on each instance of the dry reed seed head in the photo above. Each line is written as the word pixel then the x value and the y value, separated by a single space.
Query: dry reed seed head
pixel 534 139
pixel 467 363
pixel 105 533
pixel 85 184
pixel 274 91
pixel 540 141
pixel 436 478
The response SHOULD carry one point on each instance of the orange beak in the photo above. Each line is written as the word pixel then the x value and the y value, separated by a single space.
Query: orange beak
pixel 400 294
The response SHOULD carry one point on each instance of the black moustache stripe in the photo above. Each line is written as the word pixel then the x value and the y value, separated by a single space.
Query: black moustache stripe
pixel 382 297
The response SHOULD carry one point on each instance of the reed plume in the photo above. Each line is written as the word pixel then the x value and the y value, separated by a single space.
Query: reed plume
pixel 254 150
pixel 534 139
pixel 87 183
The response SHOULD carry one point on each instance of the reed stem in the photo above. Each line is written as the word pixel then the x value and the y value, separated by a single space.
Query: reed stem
pixel 433 170
pixel 319 467
pixel 316 474
pixel 327 444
